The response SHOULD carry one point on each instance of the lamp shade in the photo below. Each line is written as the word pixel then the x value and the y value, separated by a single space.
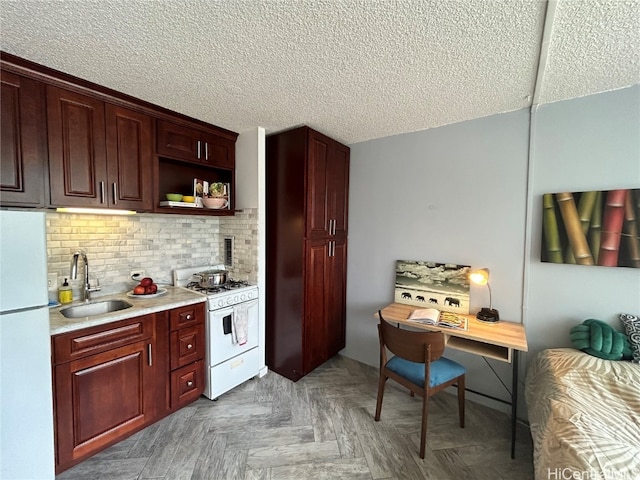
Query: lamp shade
pixel 480 276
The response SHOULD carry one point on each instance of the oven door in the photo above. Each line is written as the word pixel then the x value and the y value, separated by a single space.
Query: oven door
pixel 222 343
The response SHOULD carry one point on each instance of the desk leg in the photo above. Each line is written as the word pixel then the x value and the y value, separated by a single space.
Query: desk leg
pixel 514 401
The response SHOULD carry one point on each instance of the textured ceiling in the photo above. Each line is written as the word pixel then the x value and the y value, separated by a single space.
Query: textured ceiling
pixel 355 70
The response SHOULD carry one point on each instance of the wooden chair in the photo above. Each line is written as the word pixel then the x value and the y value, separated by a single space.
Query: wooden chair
pixel 418 356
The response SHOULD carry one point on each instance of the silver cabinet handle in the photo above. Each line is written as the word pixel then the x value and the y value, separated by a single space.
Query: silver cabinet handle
pixel 115 193
pixel 206 151
pixel 189 383
pixel 150 354
pixel 198 146
pixel 189 347
pixel 188 316
pixel 334 227
pixel 101 192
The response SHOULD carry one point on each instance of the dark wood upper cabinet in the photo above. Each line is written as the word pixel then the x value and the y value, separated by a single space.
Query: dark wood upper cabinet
pixel 100 155
pixel 195 145
pixel 129 158
pixel 77 153
pixel 188 151
pixel 328 181
pixel 67 142
pixel 23 144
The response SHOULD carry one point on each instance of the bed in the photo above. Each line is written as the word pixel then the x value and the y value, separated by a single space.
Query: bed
pixel 584 414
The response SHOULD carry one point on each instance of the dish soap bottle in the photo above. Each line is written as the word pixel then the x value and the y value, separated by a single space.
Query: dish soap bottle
pixel 65 294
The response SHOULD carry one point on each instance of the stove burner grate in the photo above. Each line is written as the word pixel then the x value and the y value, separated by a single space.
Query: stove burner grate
pixel 230 285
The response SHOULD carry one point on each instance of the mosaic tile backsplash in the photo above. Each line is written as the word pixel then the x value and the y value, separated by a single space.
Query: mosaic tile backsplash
pixel 156 243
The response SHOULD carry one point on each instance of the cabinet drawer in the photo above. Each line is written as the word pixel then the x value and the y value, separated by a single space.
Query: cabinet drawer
pixel 89 341
pixel 187 384
pixel 186 316
pixel 187 345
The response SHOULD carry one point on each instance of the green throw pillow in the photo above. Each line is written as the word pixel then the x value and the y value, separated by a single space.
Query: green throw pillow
pixel 600 339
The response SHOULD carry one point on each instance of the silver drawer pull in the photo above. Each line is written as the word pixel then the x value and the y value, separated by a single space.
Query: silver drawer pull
pixel 189 383
pixel 189 347
pixel 188 316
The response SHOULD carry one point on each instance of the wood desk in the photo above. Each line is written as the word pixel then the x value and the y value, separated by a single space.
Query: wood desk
pixel 501 341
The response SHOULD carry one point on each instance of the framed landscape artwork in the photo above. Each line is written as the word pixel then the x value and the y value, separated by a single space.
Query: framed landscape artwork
pixel 444 286
pixel 592 228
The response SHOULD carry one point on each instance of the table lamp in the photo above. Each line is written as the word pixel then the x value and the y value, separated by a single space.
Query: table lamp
pixel 481 277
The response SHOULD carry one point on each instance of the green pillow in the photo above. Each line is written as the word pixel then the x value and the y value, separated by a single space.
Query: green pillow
pixel 600 339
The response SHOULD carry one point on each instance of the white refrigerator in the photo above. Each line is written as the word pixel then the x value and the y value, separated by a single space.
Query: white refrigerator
pixel 26 400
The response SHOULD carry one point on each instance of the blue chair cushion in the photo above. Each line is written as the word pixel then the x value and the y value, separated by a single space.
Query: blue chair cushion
pixel 442 370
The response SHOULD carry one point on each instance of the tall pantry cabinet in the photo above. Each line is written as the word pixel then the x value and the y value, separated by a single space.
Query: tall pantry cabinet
pixel 307 200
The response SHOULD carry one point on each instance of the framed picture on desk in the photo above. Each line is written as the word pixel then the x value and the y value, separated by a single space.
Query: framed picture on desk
pixel 444 286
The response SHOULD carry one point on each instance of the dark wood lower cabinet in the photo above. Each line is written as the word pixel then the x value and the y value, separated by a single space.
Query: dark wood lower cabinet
pixel 100 399
pixel 112 380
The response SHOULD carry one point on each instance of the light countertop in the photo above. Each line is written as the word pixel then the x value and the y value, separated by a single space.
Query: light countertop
pixel 174 298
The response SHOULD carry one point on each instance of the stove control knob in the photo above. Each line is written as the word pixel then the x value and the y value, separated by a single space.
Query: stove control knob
pixel 236 299
pixel 220 303
pixel 243 297
pixel 229 300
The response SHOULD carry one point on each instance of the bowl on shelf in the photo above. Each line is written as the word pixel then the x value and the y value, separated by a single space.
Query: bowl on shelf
pixel 174 197
pixel 188 199
pixel 215 202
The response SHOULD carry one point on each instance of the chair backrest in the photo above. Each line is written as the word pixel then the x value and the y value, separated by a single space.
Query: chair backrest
pixel 409 344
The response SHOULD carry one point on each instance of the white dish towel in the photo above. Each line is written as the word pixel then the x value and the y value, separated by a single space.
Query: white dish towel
pixel 240 323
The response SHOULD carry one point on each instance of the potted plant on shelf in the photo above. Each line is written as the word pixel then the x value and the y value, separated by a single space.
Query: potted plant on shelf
pixel 217 197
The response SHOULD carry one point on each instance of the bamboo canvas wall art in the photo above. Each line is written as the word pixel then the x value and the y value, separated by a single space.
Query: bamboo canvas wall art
pixel 444 286
pixel 592 228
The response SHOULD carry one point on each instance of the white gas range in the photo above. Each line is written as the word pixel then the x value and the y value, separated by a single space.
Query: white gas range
pixel 232 330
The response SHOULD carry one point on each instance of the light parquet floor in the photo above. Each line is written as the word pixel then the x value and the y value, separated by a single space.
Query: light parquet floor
pixel 320 427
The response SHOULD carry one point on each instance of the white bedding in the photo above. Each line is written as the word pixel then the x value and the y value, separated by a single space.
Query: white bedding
pixel 584 414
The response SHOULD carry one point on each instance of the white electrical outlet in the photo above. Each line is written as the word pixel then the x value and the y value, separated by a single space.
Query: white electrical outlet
pixel 137 275
pixel 52 281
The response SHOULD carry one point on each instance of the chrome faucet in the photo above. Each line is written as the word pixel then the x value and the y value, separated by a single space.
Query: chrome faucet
pixel 86 288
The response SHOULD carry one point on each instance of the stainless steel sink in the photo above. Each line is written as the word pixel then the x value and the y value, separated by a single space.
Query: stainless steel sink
pixel 97 308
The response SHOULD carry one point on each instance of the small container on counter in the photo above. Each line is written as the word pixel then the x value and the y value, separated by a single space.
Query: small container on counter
pixel 65 294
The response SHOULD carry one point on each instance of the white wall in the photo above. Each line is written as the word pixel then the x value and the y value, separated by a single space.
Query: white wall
pixel 251 194
pixel 452 194
pixel 465 193
pixel 591 143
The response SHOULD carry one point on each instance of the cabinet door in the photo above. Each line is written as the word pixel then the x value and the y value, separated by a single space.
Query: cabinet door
pixel 336 296
pixel 317 161
pixel 77 156
pixel 129 158
pixel 218 152
pixel 23 147
pixel 176 141
pixel 315 313
pixel 338 189
pixel 100 399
